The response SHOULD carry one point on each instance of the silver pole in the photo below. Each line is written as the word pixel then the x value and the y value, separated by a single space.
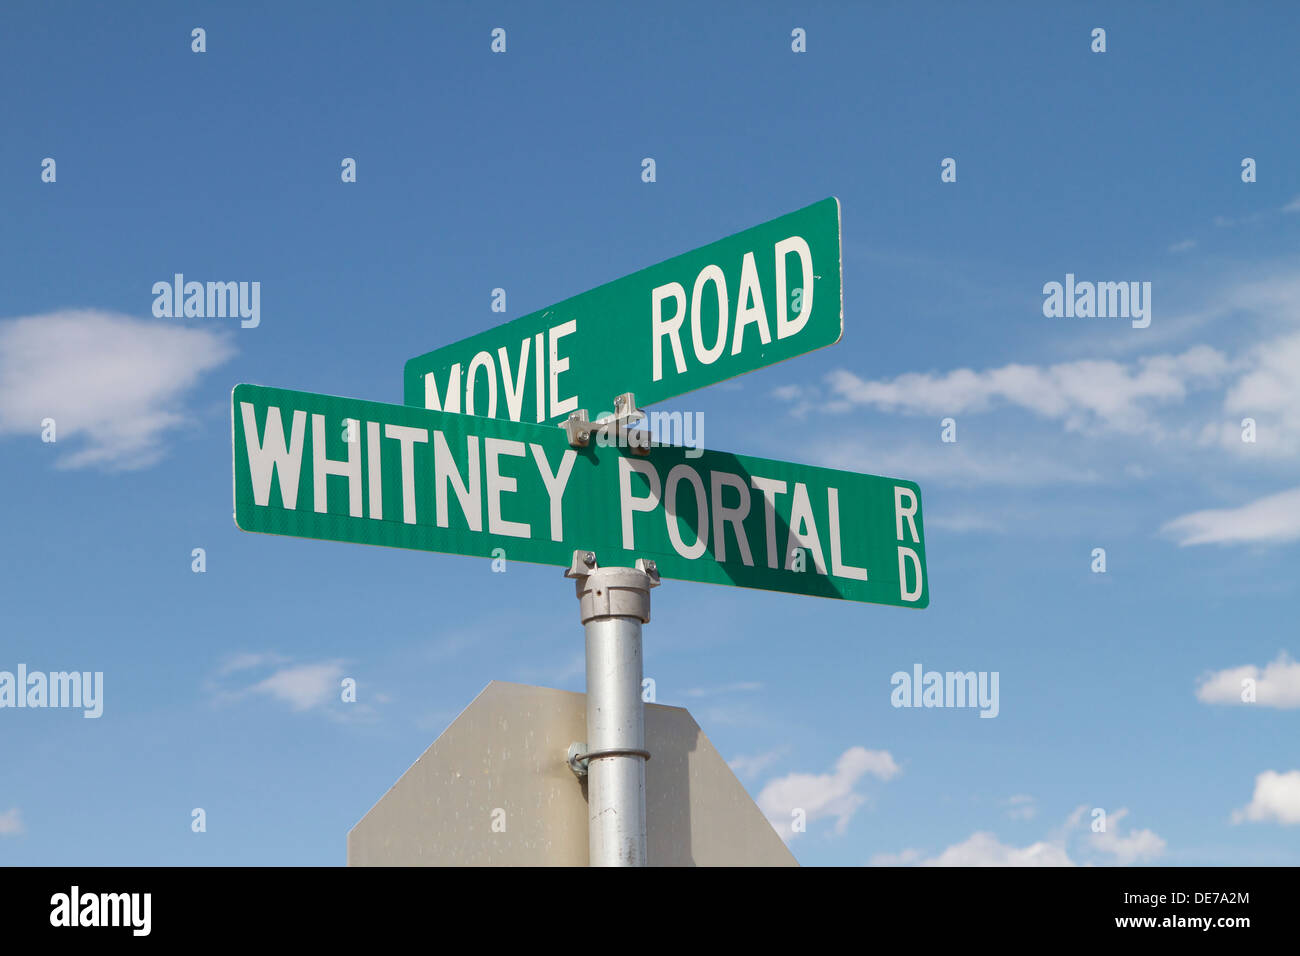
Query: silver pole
pixel 614 603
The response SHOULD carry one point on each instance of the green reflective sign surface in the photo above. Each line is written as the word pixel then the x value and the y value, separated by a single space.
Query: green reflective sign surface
pixel 744 302
pixel 342 469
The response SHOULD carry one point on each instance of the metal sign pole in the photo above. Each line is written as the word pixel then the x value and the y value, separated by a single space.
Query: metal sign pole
pixel 614 603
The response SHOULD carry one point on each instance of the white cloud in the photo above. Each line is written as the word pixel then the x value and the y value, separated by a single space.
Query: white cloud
pixel 1021 806
pixel 1276 685
pixel 1269 392
pixel 1224 222
pixel 11 823
pixel 827 794
pixel 1276 799
pixel 303 686
pixel 951 464
pixel 1180 402
pixel 982 849
pixel 788 393
pixel 1271 520
pixel 112 382
pixel 1183 246
pixel 750 767
pixel 1259 216
pixel 1126 848
pixel 1083 394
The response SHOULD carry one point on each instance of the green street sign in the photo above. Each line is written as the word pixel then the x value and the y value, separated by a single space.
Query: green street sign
pixel 739 304
pixel 317 466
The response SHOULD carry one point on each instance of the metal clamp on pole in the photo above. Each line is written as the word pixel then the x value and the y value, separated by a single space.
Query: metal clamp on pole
pixel 579 427
pixel 579 756
pixel 614 603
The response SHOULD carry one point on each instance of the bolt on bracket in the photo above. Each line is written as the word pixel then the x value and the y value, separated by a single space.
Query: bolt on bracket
pixel 584 562
pixel 579 427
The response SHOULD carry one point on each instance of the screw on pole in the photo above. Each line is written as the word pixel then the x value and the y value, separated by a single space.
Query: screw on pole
pixel 614 604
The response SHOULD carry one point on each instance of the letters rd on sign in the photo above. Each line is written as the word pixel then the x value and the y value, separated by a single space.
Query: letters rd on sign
pixel 318 466
pixel 739 304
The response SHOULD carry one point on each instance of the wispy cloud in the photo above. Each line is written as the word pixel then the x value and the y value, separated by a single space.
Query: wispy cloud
pixel 302 686
pixel 1160 410
pixel 1259 216
pixel 1021 806
pixel 451 645
pixel 824 795
pixel 1091 393
pixel 953 464
pixel 11 823
pixel 1183 246
pixel 114 385
pixel 249 661
pixel 749 767
pixel 1271 520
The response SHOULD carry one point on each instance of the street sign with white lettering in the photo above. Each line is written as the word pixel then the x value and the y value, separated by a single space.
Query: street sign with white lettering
pixel 342 469
pixel 758 297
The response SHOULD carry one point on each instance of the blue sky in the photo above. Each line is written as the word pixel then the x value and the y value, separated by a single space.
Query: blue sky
pixel 522 170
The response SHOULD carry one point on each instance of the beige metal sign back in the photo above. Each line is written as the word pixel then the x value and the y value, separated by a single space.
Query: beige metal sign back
pixel 494 790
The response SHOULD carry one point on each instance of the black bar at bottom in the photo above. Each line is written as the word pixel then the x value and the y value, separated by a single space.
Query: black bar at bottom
pixel 1225 905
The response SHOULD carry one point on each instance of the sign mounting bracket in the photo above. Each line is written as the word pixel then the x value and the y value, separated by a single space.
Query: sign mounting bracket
pixel 579 427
